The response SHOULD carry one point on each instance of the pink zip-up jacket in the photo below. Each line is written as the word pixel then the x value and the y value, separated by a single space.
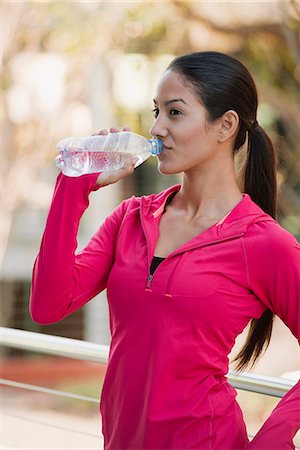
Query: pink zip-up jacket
pixel 166 386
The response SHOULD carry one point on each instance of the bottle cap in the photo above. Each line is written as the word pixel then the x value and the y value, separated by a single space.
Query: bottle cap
pixel 156 146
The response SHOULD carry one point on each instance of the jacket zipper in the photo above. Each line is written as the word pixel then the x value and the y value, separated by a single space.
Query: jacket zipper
pixel 149 280
pixel 169 284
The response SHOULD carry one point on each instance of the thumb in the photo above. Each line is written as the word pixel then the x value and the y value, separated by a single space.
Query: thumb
pixel 113 176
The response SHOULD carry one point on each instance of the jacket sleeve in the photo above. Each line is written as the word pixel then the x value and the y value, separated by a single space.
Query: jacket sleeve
pixel 273 257
pixel 63 281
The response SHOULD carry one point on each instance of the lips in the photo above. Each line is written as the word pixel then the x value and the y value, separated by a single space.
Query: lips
pixel 164 150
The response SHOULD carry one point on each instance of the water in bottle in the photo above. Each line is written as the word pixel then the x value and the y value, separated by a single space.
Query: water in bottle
pixel 100 153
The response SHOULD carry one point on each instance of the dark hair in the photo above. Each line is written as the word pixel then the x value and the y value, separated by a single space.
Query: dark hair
pixel 223 83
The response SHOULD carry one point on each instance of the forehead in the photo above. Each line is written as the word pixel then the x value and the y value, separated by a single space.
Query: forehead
pixel 173 85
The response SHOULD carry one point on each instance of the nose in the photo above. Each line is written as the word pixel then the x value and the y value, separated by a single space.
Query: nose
pixel 158 129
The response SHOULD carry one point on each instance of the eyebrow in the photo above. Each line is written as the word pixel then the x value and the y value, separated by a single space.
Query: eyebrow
pixel 173 101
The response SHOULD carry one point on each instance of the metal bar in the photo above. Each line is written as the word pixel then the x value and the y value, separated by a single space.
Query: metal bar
pixel 261 384
pixel 59 427
pixel 88 351
pixel 54 345
pixel 31 387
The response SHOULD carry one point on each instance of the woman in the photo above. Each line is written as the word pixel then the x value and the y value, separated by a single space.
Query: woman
pixel 185 270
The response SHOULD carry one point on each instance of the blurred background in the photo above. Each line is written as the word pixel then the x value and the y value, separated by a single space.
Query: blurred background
pixel 72 68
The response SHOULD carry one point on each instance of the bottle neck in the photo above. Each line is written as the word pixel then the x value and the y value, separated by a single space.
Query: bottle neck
pixel 156 146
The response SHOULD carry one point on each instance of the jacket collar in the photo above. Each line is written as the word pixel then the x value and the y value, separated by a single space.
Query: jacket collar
pixel 236 222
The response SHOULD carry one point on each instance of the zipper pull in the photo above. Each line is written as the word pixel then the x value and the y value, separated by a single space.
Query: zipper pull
pixel 149 279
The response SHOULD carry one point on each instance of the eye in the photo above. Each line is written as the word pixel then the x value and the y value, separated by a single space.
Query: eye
pixel 155 112
pixel 175 112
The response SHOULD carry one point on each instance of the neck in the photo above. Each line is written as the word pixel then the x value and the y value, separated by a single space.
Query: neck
pixel 209 193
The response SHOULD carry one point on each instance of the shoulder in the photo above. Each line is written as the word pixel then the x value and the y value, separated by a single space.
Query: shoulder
pixel 266 238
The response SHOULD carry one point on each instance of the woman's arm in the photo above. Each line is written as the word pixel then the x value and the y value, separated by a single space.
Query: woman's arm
pixel 62 281
pixel 273 257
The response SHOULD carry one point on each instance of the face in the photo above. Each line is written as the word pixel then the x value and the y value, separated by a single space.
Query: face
pixel 190 140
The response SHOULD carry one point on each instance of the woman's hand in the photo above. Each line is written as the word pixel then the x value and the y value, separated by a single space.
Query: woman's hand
pixel 112 176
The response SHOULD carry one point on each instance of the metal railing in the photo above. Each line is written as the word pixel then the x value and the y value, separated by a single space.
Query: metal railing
pixel 57 346
pixel 88 351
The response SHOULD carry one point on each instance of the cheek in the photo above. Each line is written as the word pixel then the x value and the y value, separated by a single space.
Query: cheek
pixel 197 146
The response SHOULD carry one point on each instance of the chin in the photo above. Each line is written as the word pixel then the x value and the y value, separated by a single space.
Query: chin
pixel 168 169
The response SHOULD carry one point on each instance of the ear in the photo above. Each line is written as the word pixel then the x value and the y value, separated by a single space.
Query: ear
pixel 228 125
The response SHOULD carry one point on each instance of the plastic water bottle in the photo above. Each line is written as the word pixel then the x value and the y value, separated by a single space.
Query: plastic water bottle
pixel 100 153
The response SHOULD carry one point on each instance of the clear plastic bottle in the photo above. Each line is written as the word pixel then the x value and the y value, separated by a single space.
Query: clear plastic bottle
pixel 100 153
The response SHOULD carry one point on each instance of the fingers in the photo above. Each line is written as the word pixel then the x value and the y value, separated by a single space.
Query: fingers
pixel 104 131
pixel 113 130
pixel 129 167
pixel 101 132
pixel 116 130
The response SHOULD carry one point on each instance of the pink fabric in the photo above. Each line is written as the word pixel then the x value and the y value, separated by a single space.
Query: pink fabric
pixel 222 220
pixel 166 386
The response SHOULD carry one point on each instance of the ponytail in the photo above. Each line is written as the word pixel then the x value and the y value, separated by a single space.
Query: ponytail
pixel 260 183
pixel 260 172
